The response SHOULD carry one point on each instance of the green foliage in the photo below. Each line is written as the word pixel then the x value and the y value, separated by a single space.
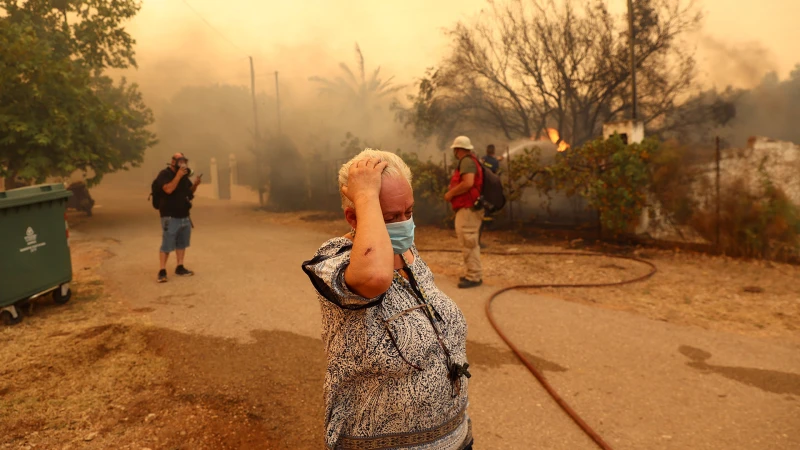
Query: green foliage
pixel 58 112
pixel 527 170
pixel 429 182
pixel 612 177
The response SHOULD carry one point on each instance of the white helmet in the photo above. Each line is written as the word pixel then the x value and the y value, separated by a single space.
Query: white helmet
pixel 462 142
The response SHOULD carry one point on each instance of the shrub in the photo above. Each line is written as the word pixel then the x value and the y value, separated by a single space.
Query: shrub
pixel 430 181
pixel 611 176
pixel 758 221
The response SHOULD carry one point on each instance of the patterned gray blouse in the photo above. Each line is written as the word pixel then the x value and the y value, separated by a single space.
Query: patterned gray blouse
pixel 388 376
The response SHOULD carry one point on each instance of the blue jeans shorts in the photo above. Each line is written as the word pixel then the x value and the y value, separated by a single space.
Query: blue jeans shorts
pixel 176 233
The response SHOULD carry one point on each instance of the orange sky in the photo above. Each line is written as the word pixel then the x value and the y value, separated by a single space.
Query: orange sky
pixel 306 37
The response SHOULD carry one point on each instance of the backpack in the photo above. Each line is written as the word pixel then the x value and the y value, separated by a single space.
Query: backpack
pixel 156 194
pixel 492 197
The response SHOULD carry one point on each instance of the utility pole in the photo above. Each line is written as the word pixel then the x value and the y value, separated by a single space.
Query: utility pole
pixel 718 198
pixel 278 101
pixel 256 137
pixel 633 58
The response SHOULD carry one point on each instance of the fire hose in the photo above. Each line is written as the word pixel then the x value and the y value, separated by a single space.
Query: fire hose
pixel 534 371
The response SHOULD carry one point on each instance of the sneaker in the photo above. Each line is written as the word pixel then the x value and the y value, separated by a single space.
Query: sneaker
pixel 464 283
pixel 183 271
pixel 162 276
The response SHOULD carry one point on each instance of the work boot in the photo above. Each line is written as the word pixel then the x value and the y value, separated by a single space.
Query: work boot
pixel 162 276
pixel 465 284
pixel 183 271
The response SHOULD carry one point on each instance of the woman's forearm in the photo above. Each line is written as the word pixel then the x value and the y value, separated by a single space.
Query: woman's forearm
pixel 372 259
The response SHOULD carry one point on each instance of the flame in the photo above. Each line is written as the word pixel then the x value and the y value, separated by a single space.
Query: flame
pixel 552 133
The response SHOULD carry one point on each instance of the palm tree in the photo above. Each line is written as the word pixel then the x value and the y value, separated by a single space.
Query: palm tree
pixel 360 92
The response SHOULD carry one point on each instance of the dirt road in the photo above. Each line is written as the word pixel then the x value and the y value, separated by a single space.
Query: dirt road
pixel 243 336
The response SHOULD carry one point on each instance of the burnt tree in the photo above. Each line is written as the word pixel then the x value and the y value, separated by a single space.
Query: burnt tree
pixel 524 65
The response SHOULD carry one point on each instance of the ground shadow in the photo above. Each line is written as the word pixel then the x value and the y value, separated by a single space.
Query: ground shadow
pixel 493 357
pixel 275 382
pixel 766 380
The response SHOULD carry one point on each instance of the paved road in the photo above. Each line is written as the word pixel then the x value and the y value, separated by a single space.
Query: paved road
pixel 642 384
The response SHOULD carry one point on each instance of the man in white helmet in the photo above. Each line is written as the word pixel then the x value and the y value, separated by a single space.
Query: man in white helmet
pixel 465 189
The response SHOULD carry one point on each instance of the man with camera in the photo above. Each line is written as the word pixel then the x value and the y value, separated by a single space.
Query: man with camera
pixel 174 204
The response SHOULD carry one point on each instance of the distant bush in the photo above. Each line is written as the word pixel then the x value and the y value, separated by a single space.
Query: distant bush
pixel 672 174
pixel 430 181
pixel 611 176
pixel 754 221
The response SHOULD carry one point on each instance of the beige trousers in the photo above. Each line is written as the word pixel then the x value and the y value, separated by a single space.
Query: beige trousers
pixel 468 224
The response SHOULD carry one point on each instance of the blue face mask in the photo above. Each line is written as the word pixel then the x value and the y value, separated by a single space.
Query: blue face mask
pixel 402 235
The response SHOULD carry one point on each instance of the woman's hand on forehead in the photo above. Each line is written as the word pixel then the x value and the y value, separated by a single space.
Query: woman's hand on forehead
pixel 364 180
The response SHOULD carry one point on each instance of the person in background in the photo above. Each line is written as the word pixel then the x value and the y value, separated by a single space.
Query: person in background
pixel 493 164
pixel 465 189
pixel 490 161
pixel 395 344
pixel 174 208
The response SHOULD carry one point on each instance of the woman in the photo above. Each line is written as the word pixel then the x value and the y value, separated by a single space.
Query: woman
pixel 397 371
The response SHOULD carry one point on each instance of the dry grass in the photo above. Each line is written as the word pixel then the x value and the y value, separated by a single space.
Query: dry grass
pixel 90 375
pixel 713 292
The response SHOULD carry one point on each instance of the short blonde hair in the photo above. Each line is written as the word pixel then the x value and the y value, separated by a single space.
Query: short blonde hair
pixel 396 167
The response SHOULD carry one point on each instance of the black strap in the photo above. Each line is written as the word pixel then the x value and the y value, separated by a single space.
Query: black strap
pixel 417 291
pixel 455 370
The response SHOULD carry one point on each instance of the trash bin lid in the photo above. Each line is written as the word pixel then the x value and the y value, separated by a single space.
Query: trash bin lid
pixel 33 194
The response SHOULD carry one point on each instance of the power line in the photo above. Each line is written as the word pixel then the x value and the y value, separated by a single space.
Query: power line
pixel 212 27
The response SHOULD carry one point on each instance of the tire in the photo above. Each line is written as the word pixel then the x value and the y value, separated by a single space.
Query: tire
pixel 8 319
pixel 23 307
pixel 61 299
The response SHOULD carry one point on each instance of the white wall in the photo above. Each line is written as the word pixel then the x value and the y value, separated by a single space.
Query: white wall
pixel 781 164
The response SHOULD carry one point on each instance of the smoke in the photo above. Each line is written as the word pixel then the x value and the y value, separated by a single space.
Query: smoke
pixel 769 109
pixel 197 79
pixel 741 64
pixel 200 92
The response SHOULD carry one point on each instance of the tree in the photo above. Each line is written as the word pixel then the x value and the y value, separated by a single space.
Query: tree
pixel 437 110
pixel 526 65
pixel 288 190
pixel 357 92
pixel 58 112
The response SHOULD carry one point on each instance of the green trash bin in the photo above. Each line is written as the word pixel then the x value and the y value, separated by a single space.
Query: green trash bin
pixel 34 247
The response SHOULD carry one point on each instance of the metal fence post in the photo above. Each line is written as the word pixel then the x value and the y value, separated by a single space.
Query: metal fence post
pixel 718 195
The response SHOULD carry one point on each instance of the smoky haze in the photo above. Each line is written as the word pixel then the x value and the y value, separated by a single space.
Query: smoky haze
pixel 202 101
pixel 196 75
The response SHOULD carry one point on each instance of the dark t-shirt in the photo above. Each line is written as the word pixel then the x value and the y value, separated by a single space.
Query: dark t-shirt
pixel 179 202
pixel 492 163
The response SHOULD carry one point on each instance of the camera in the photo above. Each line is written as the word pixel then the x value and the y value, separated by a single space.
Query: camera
pixel 189 171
